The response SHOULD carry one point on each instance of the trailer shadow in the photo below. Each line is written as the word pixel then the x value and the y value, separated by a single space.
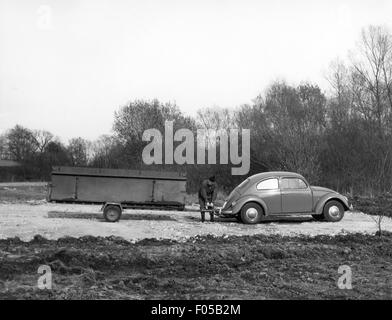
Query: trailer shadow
pixel 98 216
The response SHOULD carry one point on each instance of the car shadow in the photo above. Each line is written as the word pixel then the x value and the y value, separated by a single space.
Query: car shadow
pixel 216 219
pixel 99 216
pixel 278 220
pixel 285 220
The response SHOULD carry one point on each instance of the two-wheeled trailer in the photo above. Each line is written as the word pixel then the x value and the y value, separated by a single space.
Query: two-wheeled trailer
pixel 118 189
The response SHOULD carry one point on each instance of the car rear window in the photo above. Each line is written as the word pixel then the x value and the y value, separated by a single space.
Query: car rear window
pixel 292 183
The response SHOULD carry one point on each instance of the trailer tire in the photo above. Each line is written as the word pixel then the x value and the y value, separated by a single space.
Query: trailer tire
pixel 112 213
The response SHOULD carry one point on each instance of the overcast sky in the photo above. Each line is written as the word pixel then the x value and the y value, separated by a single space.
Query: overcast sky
pixel 67 65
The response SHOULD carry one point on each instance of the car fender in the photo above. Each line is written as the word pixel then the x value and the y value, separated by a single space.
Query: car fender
pixel 330 196
pixel 244 200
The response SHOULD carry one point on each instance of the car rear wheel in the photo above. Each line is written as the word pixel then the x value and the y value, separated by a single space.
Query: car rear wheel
pixel 112 213
pixel 251 213
pixel 333 211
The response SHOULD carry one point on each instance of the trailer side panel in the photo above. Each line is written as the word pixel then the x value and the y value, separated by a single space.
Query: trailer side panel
pixel 107 189
pixel 91 185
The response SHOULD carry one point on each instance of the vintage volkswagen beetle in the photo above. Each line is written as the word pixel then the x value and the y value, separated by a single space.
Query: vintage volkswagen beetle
pixel 282 194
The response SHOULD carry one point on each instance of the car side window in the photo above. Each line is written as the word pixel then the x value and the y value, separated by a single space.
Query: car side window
pixel 292 183
pixel 268 184
pixel 302 184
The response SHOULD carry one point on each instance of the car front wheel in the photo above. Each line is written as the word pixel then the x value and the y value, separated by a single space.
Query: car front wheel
pixel 251 213
pixel 333 211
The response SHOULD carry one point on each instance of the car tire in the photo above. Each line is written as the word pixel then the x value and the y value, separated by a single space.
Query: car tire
pixel 112 213
pixel 251 213
pixel 318 217
pixel 238 217
pixel 333 211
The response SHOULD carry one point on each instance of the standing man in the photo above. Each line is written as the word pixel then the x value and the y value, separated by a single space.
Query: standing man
pixel 207 195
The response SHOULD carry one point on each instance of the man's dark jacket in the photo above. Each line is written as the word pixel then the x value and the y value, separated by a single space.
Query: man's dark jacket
pixel 207 192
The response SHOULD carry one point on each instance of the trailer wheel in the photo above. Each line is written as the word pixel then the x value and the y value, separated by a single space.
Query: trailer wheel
pixel 112 213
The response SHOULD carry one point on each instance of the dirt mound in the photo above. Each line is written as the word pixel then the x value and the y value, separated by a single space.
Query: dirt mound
pixel 227 267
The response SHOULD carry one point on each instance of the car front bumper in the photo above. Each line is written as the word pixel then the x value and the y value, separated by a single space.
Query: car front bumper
pixel 225 213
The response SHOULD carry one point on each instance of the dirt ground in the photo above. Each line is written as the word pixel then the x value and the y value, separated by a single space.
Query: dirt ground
pixel 172 255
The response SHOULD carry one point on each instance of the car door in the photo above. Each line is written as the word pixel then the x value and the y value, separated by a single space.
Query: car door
pixel 296 195
pixel 268 191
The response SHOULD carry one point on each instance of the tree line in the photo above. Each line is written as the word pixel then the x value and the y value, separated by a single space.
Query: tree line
pixel 340 139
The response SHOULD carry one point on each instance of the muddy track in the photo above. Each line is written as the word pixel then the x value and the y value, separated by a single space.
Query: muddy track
pixel 247 267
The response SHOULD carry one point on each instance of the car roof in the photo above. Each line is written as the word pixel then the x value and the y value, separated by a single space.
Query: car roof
pixel 271 174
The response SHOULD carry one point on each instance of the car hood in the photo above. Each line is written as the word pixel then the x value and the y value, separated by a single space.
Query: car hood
pixel 232 196
pixel 322 189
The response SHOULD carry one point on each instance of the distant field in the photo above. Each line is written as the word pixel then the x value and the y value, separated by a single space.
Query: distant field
pixel 22 191
pixel 23 184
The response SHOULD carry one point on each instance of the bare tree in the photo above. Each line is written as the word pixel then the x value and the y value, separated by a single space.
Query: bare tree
pixel 372 69
pixel 78 149
pixel 359 130
pixel 378 220
pixel 286 127
pixel 21 143
pixel 107 152
pixel 4 154
pixel 215 118
pixel 42 138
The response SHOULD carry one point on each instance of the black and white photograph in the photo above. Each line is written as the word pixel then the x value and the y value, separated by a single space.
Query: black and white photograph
pixel 195 154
